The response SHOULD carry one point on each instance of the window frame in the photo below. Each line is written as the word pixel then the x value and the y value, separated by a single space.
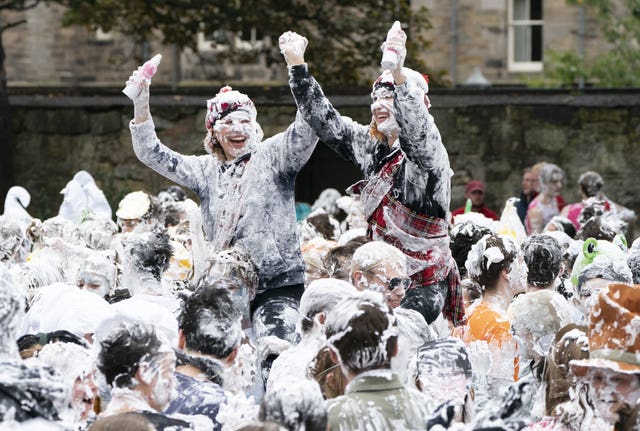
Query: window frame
pixel 522 66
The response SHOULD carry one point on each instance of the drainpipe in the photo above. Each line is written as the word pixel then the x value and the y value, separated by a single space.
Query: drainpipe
pixel 581 40
pixel 453 41
pixel 176 72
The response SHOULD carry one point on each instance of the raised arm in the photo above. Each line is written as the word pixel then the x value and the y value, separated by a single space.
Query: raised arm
pixel 346 137
pixel 184 170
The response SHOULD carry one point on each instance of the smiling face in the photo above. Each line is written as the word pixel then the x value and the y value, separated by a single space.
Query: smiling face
pixel 612 391
pixel 382 111
pixel 235 133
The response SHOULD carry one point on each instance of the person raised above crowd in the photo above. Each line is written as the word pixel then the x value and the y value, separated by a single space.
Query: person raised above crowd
pixel 546 204
pixel 245 186
pixel 406 190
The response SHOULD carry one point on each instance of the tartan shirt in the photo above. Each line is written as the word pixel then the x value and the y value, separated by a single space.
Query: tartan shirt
pixel 430 235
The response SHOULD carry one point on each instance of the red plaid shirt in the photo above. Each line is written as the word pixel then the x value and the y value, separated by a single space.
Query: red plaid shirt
pixel 440 263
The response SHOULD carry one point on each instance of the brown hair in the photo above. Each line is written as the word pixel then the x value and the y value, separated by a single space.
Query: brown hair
pixel 328 375
pixel 489 274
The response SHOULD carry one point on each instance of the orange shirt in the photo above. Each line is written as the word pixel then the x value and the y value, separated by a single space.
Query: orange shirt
pixel 486 324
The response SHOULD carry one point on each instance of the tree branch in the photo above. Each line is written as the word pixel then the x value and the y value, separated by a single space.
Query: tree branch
pixel 11 25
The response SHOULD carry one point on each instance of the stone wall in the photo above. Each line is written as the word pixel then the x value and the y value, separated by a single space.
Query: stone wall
pixel 491 135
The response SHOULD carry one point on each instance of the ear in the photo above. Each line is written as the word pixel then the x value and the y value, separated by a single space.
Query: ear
pixel 504 274
pixel 356 279
pixel 334 356
pixel 182 340
pixel 232 356
pixel 322 316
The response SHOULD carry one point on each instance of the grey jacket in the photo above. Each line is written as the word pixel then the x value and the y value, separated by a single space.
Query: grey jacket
pixel 247 202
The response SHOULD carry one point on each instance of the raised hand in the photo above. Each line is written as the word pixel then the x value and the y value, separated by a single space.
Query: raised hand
pixel 292 46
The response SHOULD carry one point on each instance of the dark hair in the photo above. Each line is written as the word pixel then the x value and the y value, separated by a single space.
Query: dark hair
pixel 563 224
pixel 605 270
pixel 176 192
pixel 29 344
pixel 595 228
pixel 211 305
pixel 471 288
pixel 543 257
pixel 463 237
pixel 151 252
pixel 488 277
pixel 123 349
pixel 590 183
pixel 338 260
pixel 322 224
pixel 172 213
pixel 367 327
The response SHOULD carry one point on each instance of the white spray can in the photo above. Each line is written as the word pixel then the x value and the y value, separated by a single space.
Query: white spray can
pixel 134 87
pixel 390 56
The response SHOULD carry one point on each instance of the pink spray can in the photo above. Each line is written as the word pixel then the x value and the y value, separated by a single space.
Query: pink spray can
pixel 134 87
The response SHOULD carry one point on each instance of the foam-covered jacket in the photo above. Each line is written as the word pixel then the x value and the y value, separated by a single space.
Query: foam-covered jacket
pixel 247 202
pixel 423 182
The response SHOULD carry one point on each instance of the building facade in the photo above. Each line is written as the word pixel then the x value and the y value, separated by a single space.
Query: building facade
pixel 506 39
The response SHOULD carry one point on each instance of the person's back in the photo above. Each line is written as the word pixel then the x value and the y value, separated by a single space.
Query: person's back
pixel 378 400
pixel 364 344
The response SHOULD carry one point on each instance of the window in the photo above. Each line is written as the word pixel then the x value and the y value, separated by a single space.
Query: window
pixel 525 35
pixel 247 40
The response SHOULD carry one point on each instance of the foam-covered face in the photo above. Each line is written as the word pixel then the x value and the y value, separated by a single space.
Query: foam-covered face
pixel 443 385
pixel 236 134
pixel 612 392
pixel 84 392
pixel 382 111
pixel 93 282
pixel 553 187
pixel 390 280
pixel 160 376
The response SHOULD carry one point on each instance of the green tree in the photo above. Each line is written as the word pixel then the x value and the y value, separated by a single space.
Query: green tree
pixel 344 35
pixel 619 21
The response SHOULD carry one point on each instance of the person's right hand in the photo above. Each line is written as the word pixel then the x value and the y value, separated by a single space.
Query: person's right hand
pixel 143 97
pixel 292 46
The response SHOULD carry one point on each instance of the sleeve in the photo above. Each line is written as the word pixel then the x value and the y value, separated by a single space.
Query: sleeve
pixel 291 149
pixel 184 170
pixel 419 136
pixel 346 137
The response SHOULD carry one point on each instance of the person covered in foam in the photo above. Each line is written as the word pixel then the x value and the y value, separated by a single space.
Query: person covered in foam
pixel 407 188
pixel 246 188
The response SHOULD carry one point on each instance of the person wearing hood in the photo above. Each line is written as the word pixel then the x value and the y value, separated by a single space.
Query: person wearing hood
pixel 15 206
pixel 82 196
pixel 246 190
pixel 406 190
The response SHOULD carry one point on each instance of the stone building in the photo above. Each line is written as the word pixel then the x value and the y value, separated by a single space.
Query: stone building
pixel 505 39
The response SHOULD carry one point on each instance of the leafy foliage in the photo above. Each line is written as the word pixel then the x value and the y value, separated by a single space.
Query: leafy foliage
pixel 344 35
pixel 620 24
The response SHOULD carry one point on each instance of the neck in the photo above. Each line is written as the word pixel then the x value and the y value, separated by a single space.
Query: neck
pixel 546 198
pixel 191 371
pixel 392 139
pixel 126 400
pixel 500 297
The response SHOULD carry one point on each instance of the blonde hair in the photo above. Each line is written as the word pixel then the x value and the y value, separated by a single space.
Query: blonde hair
pixel 212 146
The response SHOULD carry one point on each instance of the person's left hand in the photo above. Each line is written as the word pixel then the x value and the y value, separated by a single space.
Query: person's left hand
pixel 292 46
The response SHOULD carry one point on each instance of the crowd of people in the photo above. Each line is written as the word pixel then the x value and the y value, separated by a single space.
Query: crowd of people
pixel 377 309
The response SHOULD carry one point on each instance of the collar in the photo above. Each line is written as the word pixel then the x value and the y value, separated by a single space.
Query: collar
pixel 374 380
pixel 235 162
